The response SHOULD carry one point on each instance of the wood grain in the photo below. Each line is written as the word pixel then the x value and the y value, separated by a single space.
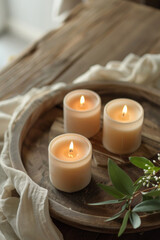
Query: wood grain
pixel 43 120
pixel 95 33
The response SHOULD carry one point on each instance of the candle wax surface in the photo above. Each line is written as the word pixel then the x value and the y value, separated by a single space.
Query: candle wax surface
pixel 61 150
pixel 75 104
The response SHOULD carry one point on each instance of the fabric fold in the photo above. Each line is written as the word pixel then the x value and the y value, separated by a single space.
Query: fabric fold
pixel 24 212
pixel 132 69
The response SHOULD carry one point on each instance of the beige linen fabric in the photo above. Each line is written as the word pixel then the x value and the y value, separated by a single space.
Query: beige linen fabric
pixel 132 69
pixel 24 212
pixel 23 204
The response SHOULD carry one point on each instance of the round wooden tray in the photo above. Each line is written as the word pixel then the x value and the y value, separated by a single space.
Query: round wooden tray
pixel 43 120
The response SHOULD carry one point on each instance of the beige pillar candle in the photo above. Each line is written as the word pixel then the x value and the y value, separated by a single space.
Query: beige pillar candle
pixel 70 162
pixel 82 112
pixel 122 124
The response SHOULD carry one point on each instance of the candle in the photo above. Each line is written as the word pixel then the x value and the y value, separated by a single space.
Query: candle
pixel 82 112
pixel 122 124
pixel 70 162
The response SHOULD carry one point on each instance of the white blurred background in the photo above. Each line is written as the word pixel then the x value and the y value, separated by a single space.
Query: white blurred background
pixel 21 23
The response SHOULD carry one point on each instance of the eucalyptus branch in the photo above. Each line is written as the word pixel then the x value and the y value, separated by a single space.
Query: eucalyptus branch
pixel 124 190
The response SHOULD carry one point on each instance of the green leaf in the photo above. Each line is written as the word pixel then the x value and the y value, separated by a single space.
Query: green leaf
pixel 137 187
pixel 141 162
pixel 147 206
pixel 156 169
pixel 121 181
pixel 145 198
pixel 158 197
pixel 135 220
pixel 111 190
pixel 153 193
pixel 106 202
pixel 124 223
pixel 117 214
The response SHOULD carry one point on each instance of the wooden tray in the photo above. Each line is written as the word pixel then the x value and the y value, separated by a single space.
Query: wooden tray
pixel 43 120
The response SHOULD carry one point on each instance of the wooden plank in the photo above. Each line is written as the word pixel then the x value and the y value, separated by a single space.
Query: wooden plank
pixel 95 33
pixel 33 68
pixel 138 37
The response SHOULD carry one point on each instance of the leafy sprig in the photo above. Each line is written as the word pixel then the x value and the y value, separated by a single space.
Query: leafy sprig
pixel 124 191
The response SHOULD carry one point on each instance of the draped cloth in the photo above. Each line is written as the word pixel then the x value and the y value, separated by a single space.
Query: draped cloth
pixel 24 212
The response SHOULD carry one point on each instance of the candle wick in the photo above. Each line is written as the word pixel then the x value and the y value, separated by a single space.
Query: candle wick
pixel 70 154
pixel 82 104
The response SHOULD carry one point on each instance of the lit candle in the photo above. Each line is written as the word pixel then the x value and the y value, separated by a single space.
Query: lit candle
pixel 82 110
pixel 70 162
pixel 122 124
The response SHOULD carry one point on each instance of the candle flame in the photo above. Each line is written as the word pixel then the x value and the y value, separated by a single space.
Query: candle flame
pixel 124 111
pixel 71 146
pixel 82 100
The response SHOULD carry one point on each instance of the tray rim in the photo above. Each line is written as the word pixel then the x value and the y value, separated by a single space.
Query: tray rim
pixel 16 132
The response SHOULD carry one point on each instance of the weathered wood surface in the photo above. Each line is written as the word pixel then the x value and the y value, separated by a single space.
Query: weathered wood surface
pixel 45 120
pixel 96 33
